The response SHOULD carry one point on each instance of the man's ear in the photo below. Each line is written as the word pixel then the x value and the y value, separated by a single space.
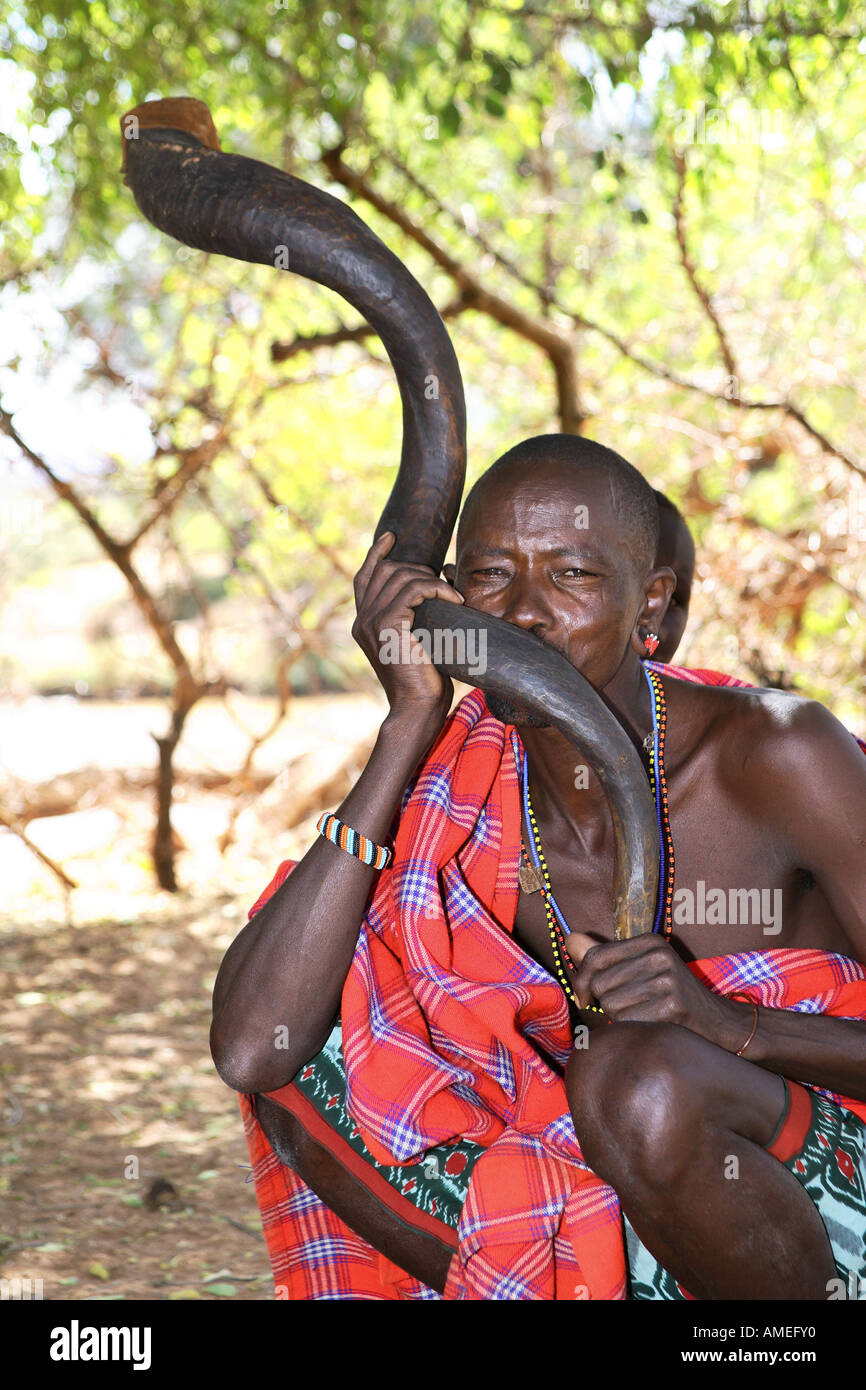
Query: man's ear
pixel 448 573
pixel 660 586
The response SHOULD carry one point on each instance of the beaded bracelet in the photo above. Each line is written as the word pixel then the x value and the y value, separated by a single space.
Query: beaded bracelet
pixel 352 841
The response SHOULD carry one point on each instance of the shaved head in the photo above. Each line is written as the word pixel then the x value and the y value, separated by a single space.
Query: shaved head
pixel 572 458
pixel 559 537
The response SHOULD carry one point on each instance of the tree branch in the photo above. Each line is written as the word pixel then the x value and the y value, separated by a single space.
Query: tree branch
pixel 300 521
pixel 481 300
pixel 557 347
pixel 116 551
pixel 691 270
pixel 193 460
pixel 282 352
pixel 49 863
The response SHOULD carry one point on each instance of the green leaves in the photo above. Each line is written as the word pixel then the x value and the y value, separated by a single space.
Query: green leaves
pixel 583 91
pixel 513 118
pixel 450 118
pixel 275 69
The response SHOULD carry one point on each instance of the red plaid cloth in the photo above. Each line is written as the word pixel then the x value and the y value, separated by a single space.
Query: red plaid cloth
pixel 697 675
pixel 451 1030
pixel 313 1255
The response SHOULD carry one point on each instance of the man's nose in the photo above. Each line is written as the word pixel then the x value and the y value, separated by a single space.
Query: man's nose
pixel 526 607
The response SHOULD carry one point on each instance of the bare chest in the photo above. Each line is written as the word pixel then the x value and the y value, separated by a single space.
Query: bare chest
pixel 734 885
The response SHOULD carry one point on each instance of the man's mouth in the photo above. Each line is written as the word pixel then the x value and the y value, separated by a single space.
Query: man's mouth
pixel 509 713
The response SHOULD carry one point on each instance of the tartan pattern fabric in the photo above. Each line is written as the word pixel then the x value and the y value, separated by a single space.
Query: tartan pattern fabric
pixel 697 675
pixel 437 1186
pixel 451 1031
pixel 313 1254
pixel 829 1160
pixel 436 960
pixel 805 981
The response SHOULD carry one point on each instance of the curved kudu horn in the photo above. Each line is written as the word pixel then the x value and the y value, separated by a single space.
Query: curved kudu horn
pixel 203 197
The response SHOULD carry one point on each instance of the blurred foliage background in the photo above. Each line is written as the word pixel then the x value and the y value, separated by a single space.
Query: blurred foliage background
pixel 642 222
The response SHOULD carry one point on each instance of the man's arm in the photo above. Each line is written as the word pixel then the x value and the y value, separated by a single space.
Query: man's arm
pixel 805 777
pixel 809 779
pixel 287 967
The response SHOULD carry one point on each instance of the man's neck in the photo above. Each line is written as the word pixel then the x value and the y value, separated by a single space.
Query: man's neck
pixel 563 785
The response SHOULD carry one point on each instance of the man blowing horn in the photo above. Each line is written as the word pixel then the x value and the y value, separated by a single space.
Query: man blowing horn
pixel 455 1081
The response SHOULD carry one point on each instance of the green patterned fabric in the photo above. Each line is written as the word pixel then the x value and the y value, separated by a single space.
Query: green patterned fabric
pixel 437 1185
pixel 832 1168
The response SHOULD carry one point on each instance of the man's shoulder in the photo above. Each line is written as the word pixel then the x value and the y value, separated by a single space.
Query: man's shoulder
pixel 768 712
pixel 788 729
pixel 713 692
pixel 757 730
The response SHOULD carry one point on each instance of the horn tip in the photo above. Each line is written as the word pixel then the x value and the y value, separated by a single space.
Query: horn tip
pixel 178 113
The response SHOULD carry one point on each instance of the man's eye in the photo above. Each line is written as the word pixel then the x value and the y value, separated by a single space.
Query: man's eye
pixel 484 574
pixel 574 570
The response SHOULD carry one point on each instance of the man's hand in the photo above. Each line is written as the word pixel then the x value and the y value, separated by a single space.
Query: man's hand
pixel 386 595
pixel 643 980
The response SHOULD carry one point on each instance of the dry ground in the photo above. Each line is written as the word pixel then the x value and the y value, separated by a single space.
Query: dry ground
pixel 117 1089
pixel 107 1083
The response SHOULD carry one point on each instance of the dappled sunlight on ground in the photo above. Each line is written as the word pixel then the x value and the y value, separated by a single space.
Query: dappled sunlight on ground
pixel 108 1086
pixel 106 1081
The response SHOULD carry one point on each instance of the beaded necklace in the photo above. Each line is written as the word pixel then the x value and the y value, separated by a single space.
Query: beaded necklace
pixel 557 925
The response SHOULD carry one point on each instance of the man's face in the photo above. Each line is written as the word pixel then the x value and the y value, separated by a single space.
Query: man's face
pixel 552 554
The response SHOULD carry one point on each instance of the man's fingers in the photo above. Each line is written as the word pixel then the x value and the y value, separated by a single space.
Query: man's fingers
pixel 607 953
pixel 577 945
pixel 376 590
pixel 637 972
pixel 378 550
pixel 638 1001
pixel 400 594
pixel 614 961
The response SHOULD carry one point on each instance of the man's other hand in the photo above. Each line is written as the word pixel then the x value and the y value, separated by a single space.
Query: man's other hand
pixel 643 980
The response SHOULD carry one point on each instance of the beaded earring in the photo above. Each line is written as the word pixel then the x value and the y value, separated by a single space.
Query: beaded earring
pixel 650 642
